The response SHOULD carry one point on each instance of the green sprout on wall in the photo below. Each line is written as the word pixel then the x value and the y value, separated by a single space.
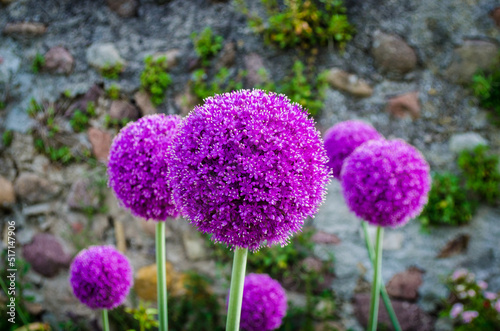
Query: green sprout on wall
pixel 206 45
pixel 38 63
pixel 155 79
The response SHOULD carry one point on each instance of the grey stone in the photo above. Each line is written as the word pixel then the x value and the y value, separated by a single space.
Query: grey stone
pixel 59 61
pixel 83 195
pixel 349 83
pixel 42 208
pixel 32 188
pixel 121 110
pixel 466 141
pixel 392 54
pixel 194 246
pixel 102 56
pixel 9 65
pixel 254 65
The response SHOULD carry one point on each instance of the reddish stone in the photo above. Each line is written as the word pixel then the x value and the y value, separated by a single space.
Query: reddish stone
pixel 124 8
pixel 46 254
pixel 495 14
pixel 405 105
pixel 92 95
pixel 404 285
pixel 101 143
pixel 121 110
pixel 321 237
pixel 24 28
pixel 59 61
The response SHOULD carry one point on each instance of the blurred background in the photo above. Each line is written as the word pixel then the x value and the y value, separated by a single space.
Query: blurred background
pixel 72 73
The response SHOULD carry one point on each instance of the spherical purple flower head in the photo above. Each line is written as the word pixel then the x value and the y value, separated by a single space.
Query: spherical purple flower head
pixel 138 168
pixel 264 303
pixel 101 277
pixel 386 183
pixel 248 167
pixel 343 138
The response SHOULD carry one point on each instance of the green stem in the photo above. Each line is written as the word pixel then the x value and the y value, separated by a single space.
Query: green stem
pixel 161 276
pixel 383 291
pixel 105 320
pixel 18 308
pixel 236 291
pixel 377 272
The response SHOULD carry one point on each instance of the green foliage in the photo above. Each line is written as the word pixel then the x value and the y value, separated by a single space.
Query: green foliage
pixel 7 138
pixel 481 173
pixel 448 202
pixel 155 79
pixel 145 316
pixel 114 123
pixel 113 92
pixel 486 86
pixel 302 23
pixel 465 290
pixel 79 121
pixel 62 154
pixel 2 105
pixel 206 44
pixel 112 71
pixel 221 83
pixel 38 63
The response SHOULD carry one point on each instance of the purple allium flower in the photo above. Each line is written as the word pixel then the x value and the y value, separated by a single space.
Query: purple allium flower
pixel 490 295
pixel 248 167
pixel 469 315
pixel 456 310
pixel 101 277
pixel 386 182
pixel 264 303
pixel 343 138
pixel 138 168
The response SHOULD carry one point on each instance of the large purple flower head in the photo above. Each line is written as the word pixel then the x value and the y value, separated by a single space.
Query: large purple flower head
pixel 264 303
pixel 248 167
pixel 343 138
pixel 101 277
pixel 386 182
pixel 138 168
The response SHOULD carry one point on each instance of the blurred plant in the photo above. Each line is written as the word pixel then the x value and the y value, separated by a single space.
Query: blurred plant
pixel 302 23
pixel 80 120
pixel 115 123
pixel 112 71
pixel 220 83
pixel 486 87
pixel 448 202
pixel 113 92
pixel 7 138
pixel 206 44
pixel 469 305
pixel 38 63
pixel 481 173
pixel 145 315
pixel 155 79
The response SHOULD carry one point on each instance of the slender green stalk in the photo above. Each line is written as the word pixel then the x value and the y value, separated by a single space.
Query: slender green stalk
pixel 236 291
pixel 161 276
pixel 383 291
pixel 377 272
pixel 18 308
pixel 105 320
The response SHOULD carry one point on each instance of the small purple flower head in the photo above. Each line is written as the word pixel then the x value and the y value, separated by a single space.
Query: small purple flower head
pixel 386 182
pixel 101 277
pixel 497 305
pixel 490 295
pixel 138 168
pixel 343 138
pixel 459 273
pixel 456 310
pixel 264 303
pixel 469 315
pixel 482 284
pixel 471 293
pixel 248 167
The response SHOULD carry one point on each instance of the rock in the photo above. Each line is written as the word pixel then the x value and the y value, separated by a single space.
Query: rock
pixel 349 83
pixel 59 61
pixel 392 54
pixel 466 141
pixel 457 245
pixel 393 240
pixel 410 316
pixel 46 254
pixel 404 105
pixel 92 95
pixel 104 56
pixel 172 56
pixel 32 188
pixel 101 143
pixel 194 246
pixel 321 237
pixel 7 195
pixel 186 101
pixel 149 227
pixel 121 110
pixel 146 281
pixel 468 59
pixel 24 28
pixel 83 195
pixel 6 2
pixel 495 15
pixel 312 264
pixel 254 65
pixel 35 309
pixel 9 66
pixel 227 56
pixel 124 8
pixel 42 208
pixel 404 285
pixel 143 101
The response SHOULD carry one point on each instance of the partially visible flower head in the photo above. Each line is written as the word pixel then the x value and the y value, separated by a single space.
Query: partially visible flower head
pixel 459 273
pixel 248 167
pixel 469 315
pixel 456 310
pixel 101 277
pixel 386 182
pixel 497 305
pixel 471 293
pixel 264 303
pixel 343 138
pixel 482 284
pixel 490 295
pixel 138 168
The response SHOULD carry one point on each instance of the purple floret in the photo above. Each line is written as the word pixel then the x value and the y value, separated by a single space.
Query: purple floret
pixel 386 183
pixel 101 277
pixel 343 138
pixel 264 303
pixel 248 167
pixel 138 168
